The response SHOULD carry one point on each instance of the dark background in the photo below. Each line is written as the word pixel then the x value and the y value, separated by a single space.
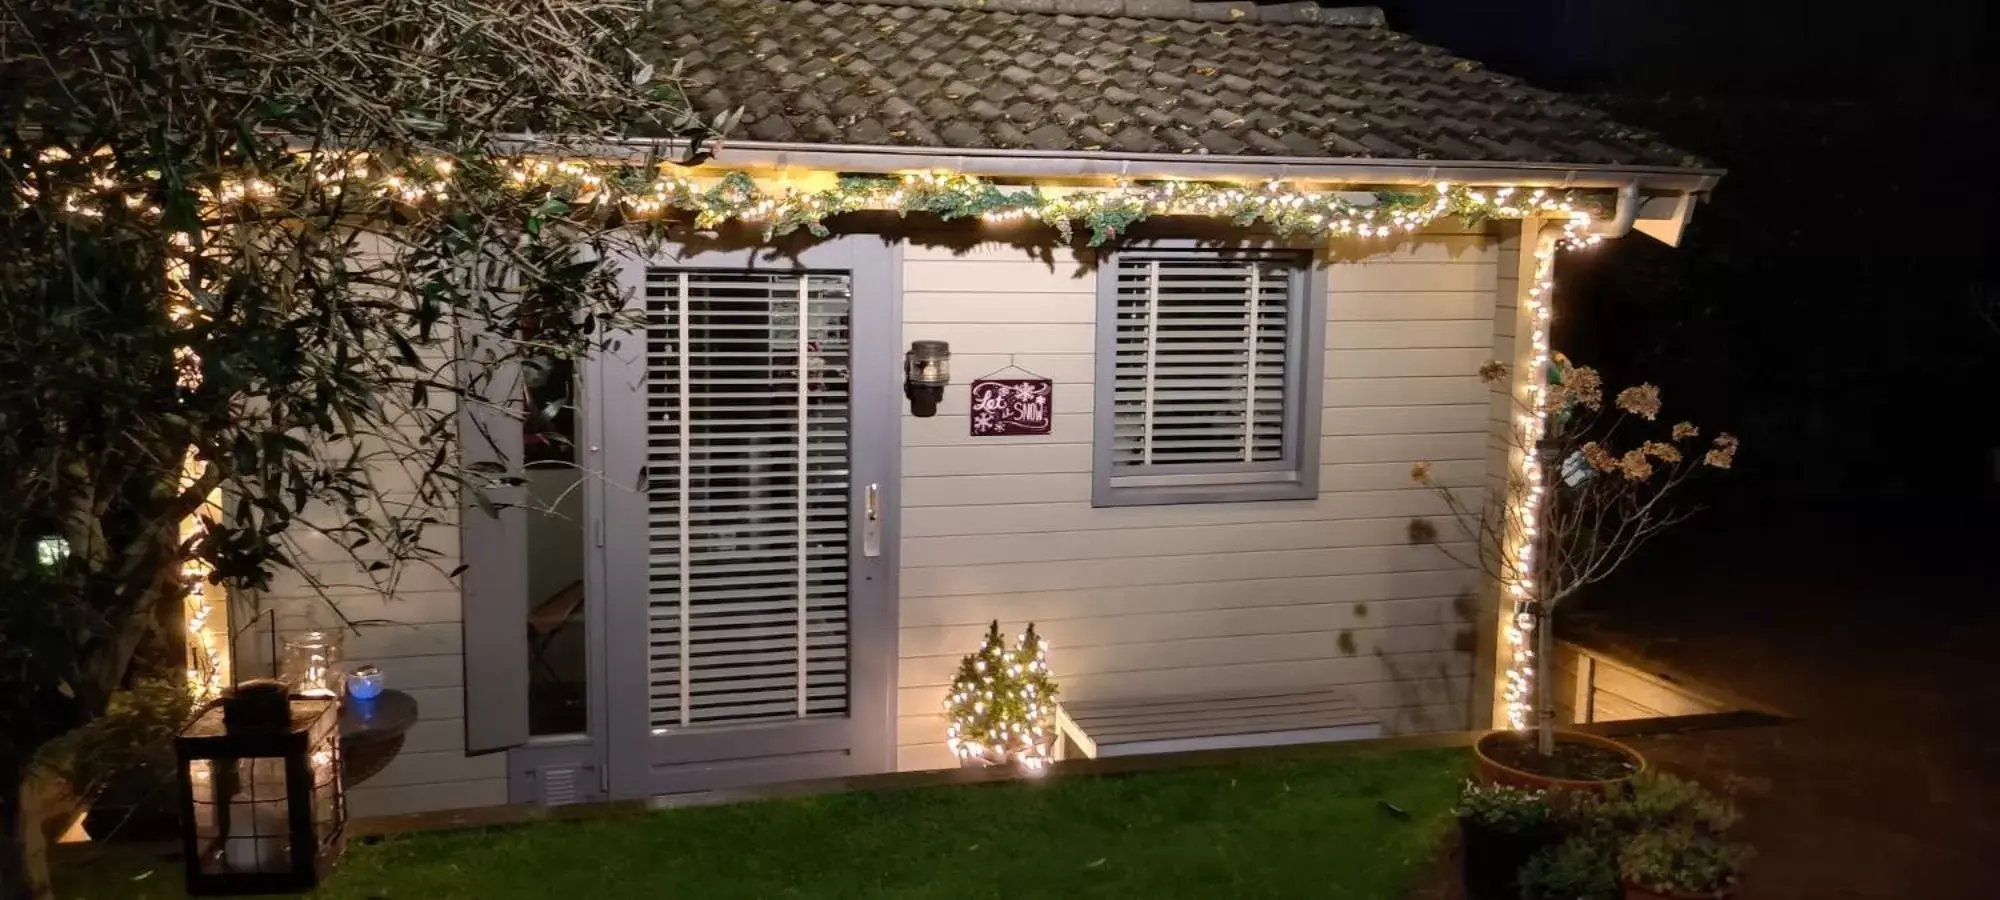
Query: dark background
pixel 1835 305
pixel 1835 302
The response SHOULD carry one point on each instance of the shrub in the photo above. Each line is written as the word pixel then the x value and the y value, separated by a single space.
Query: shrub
pixel 1503 808
pixel 1682 859
pixel 1583 867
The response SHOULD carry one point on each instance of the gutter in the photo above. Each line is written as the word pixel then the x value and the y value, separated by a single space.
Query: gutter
pixel 1100 164
pixel 1626 213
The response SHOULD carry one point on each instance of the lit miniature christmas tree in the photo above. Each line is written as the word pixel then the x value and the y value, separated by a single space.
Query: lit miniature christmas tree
pixel 1002 702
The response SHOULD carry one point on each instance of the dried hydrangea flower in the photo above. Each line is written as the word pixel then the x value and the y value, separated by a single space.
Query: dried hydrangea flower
pixel 1599 458
pixel 1685 430
pixel 1724 453
pixel 1642 401
pixel 1581 386
pixel 1421 472
pixel 1635 465
pixel 1492 370
pixel 1666 453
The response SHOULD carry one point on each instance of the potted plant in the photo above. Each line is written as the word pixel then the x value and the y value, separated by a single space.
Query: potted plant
pixel 1500 827
pixel 1682 861
pixel 1580 867
pixel 1676 843
pixel 1657 800
pixel 1596 482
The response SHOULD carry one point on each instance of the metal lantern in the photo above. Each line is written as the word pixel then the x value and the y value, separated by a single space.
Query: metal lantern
pixel 262 808
pixel 926 370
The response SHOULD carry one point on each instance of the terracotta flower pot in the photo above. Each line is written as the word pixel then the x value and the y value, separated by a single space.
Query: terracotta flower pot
pixel 1638 892
pixel 1493 771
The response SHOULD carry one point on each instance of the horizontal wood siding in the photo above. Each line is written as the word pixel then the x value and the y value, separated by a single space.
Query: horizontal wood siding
pixel 1153 601
pixel 416 638
pixel 1593 687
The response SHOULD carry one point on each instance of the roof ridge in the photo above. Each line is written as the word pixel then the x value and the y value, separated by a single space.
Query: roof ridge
pixel 1187 10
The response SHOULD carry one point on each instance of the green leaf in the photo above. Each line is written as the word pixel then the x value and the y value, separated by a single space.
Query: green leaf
pixel 485 502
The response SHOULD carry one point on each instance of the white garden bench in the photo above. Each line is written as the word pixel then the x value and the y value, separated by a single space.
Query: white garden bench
pixel 1106 728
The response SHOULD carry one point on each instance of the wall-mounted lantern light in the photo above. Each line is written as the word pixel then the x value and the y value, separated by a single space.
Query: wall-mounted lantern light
pixel 926 370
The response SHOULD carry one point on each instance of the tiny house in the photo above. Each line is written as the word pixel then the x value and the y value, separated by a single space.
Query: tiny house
pixel 1183 452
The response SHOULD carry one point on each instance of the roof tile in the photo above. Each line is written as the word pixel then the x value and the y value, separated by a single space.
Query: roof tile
pixel 1141 76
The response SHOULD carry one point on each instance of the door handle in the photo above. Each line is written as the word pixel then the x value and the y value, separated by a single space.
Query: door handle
pixel 871 522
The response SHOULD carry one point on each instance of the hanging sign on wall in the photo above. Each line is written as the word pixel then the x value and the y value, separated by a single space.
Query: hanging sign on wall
pixel 1011 406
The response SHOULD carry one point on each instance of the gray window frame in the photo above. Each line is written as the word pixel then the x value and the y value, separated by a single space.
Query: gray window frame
pixel 1295 477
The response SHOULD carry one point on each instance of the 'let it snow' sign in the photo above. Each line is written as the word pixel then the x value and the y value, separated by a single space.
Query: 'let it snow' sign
pixel 1010 406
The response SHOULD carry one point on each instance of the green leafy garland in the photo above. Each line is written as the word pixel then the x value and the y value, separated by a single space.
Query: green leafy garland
pixel 1002 702
pixel 1105 214
pixel 577 191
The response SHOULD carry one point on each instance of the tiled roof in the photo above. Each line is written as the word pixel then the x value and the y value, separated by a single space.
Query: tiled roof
pixel 1128 76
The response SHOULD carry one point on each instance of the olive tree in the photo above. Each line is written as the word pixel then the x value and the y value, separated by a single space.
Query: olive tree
pixel 260 251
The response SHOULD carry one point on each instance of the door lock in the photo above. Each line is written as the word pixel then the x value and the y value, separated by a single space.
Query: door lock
pixel 871 524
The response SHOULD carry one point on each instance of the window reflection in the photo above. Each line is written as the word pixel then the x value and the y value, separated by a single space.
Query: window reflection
pixel 558 651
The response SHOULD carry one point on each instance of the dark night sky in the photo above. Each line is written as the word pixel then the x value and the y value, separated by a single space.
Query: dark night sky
pixel 1825 304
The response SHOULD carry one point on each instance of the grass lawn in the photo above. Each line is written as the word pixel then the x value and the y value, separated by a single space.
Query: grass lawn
pixel 1292 829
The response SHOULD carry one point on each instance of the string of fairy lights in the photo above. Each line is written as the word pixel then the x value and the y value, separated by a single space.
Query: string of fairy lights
pixel 794 202
pixel 1001 704
pixel 1518 689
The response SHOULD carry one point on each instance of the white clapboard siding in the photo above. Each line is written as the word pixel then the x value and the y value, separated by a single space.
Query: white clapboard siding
pixel 1140 628
pixel 1404 499
pixel 1059 458
pixel 1334 479
pixel 939 431
pixel 1434 390
pixel 1474 248
pixel 1454 418
pixel 974 339
pixel 1061 368
pixel 1055 546
pixel 1426 277
pixel 420 644
pixel 1223 569
pixel 1418 334
pixel 1453 363
pixel 1160 600
pixel 1408 306
pixel 927 307
pixel 1390 598
pixel 1146 656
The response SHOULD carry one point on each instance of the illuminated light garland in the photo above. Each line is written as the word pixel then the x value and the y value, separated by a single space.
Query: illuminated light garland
pixel 208 667
pixel 1518 691
pixel 1107 213
pixel 712 200
pixel 1001 706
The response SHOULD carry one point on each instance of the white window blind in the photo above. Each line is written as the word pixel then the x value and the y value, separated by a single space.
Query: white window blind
pixel 747 495
pixel 1201 344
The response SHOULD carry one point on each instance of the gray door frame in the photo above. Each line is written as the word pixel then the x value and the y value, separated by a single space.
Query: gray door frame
pixel 641 763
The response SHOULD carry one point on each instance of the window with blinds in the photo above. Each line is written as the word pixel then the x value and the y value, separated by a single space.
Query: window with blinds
pixel 747 495
pixel 1201 375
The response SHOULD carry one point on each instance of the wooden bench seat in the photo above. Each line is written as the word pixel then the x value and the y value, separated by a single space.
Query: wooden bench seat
pixel 1105 728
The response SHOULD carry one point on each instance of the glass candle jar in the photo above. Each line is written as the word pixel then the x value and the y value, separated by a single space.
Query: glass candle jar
pixel 312 664
pixel 364 683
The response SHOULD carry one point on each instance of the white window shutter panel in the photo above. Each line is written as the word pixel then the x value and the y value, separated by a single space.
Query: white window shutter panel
pixel 1201 369
pixel 747 495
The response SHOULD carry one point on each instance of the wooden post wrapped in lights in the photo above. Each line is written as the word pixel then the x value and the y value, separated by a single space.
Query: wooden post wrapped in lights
pixel 262 806
pixel 1002 703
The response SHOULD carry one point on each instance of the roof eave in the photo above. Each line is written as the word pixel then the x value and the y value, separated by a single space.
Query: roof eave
pixel 1003 163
